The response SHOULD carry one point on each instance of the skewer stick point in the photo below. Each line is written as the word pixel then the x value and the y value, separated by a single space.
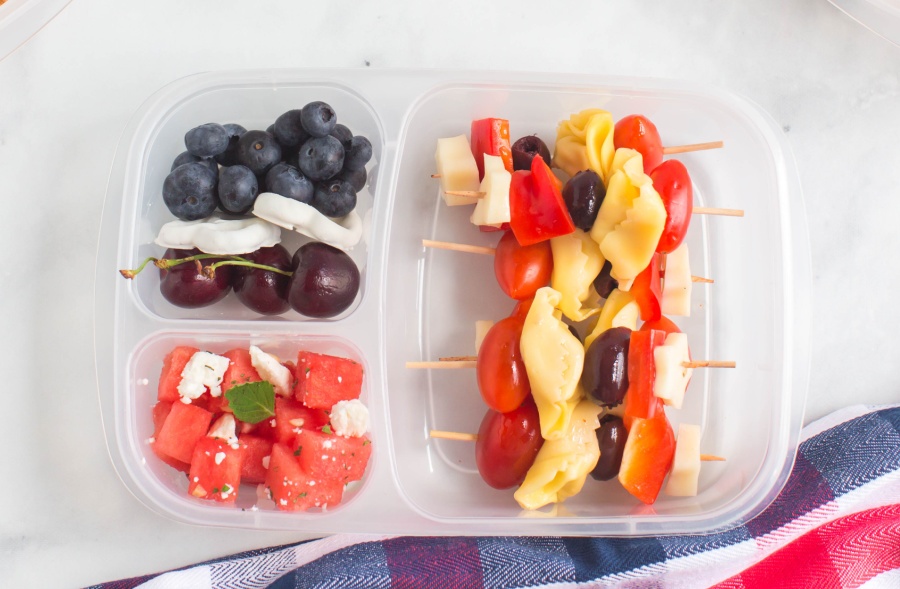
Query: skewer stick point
pixel 462 437
pixel 453 364
pixel 717 211
pixel 710 364
pixel 693 147
pixel 711 458
pixel 435 175
pixel 702 279
pixel 466 193
pixel 459 247
pixel 458 358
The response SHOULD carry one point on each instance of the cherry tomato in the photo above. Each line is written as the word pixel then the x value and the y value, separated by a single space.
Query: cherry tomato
pixel 638 133
pixel 507 444
pixel 521 270
pixel 520 311
pixel 501 374
pixel 672 182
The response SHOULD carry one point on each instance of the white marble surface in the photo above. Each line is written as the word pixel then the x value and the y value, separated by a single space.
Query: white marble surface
pixel 65 518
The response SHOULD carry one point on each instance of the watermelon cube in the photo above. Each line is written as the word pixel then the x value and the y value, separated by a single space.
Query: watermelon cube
pixel 184 426
pixel 291 417
pixel 215 470
pixel 173 366
pixel 240 370
pixel 327 456
pixel 160 411
pixel 256 458
pixel 323 380
pixel 292 489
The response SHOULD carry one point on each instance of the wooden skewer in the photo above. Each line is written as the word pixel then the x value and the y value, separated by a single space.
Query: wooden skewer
pixel 467 193
pixel 459 247
pixel 481 249
pixel 693 147
pixel 465 437
pixel 439 364
pixel 710 364
pixel 716 211
pixel 458 358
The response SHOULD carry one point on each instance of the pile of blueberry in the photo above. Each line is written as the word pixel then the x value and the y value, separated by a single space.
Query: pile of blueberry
pixel 305 155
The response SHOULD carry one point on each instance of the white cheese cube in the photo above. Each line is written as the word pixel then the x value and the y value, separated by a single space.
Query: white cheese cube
pixel 457 168
pixel 672 377
pixel 677 283
pixel 493 207
pixel 350 418
pixel 685 471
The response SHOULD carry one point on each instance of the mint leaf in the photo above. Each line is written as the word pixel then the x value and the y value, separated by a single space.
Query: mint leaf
pixel 326 429
pixel 252 402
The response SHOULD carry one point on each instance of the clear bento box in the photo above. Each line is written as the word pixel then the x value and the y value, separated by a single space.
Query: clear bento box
pixel 882 17
pixel 20 19
pixel 417 304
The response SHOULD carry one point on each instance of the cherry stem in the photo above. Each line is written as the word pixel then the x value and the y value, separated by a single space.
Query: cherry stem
pixel 210 271
pixel 129 274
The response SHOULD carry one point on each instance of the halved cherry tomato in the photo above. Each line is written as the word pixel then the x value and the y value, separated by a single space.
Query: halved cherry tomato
pixel 638 133
pixel 647 290
pixel 520 311
pixel 672 182
pixel 521 270
pixel 507 444
pixel 640 402
pixel 647 458
pixel 500 370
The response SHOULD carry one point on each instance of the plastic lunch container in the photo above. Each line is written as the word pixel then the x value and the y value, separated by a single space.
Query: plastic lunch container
pixel 20 19
pixel 879 16
pixel 418 304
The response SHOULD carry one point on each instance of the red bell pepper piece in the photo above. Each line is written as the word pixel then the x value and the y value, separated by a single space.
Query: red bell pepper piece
pixel 672 182
pixel 492 229
pixel 640 402
pixel 662 323
pixel 648 292
pixel 536 207
pixel 491 136
pixel 647 457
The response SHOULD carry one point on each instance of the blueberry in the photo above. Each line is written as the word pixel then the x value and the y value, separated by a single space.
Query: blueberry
pixel 288 181
pixel 288 129
pixel 206 140
pixel 318 119
pixel 321 158
pixel 259 151
pixel 334 198
pixel 190 191
pixel 238 189
pixel 359 154
pixel 342 134
pixel 229 156
pixel 356 178
pixel 186 158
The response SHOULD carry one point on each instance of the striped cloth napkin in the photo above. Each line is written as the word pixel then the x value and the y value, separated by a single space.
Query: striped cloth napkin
pixel 836 524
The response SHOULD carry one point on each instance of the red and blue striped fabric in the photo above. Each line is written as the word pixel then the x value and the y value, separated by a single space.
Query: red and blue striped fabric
pixel 835 525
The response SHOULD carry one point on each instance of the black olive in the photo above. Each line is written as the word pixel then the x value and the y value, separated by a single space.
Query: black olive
pixel 604 284
pixel 524 150
pixel 583 195
pixel 605 374
pixel 611 436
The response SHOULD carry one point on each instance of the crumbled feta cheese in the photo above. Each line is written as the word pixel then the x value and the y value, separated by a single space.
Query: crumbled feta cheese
pixel 283 501
pixel 204 370
pixel 350 418
pixel 220 457
pixel 151 440
pixel 270 369
pixel 225 429
pixel 265 462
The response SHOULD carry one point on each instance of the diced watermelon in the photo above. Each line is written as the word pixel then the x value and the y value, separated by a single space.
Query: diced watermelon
pixel 160 412
pixel 291 417
pixel 240 370
pixel 170 378
pixel 323 380
pixel 256 453
pixel 183 428
pixel 326 456
pixel 215 470
pixel 293 489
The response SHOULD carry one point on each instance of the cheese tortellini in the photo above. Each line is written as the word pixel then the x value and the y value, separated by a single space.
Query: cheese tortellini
pixel 576 263
pixel 553 360
pixel 585 141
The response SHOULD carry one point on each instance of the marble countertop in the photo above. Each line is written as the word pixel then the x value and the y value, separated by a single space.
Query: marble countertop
pixel 65 518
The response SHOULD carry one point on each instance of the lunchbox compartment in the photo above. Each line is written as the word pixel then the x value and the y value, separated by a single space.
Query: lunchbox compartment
pixel 255 106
